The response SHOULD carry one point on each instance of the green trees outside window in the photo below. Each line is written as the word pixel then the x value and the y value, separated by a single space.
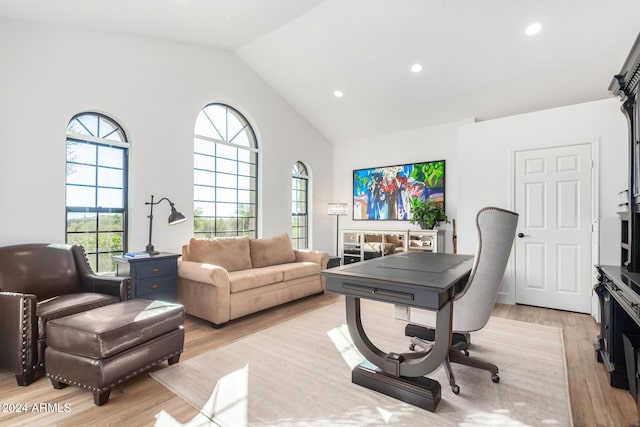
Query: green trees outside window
pixel 225 174
pixel 96 188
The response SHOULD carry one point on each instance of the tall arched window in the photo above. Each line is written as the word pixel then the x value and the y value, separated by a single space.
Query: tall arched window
pixel 300 206
pixel 225 174
pixel 96 188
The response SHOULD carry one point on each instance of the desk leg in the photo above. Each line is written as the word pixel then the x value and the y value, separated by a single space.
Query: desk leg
pixel 405 364
pixel 400 375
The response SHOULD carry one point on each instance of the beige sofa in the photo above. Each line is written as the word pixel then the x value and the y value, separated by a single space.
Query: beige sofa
pixel 222 279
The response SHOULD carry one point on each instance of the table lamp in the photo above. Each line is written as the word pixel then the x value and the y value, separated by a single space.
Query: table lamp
pixel 174 218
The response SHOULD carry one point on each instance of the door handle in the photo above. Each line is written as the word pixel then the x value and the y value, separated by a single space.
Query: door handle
pixel 521 235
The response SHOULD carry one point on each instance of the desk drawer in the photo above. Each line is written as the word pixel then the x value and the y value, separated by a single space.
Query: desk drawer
pixel 149 287
pixel 156 269
pixel 378 293
pixel 412 296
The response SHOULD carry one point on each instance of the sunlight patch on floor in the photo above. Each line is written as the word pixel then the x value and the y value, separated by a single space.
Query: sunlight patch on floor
pixel 229 401
pixel 498 417
pixel 228 404
pixel 342 341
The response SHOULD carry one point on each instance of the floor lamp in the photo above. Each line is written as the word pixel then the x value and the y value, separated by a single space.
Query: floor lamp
pixel 337 209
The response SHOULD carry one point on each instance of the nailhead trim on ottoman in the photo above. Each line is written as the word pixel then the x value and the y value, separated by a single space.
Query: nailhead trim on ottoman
pixel 106 361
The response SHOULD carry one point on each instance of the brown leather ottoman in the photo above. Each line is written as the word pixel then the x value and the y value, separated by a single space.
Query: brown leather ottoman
pixel 100 348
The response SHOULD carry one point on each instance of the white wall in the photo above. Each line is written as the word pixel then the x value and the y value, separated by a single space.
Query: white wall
pixel 155 90
pixel 486 149
pixel 417 145
pixel 479 167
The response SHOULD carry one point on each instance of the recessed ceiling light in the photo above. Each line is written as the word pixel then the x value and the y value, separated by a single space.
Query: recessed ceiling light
pixel 533 28
pixel 416 68
pixel 337 93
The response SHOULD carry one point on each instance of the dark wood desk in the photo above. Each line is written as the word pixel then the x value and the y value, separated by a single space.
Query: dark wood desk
pixel 415 279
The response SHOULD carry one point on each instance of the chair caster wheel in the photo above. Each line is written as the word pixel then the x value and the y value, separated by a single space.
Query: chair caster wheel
pixel 495 378
pixel 412 347
pixel 455 389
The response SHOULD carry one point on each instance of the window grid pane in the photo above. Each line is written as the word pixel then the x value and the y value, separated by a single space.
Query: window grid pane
pixel 225 174
pixel 299 207
pixel 96 190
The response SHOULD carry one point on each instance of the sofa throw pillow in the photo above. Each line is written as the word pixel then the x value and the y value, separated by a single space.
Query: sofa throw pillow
pixel 394 240
pixel 230 253
pixel 272 251
pixel 373 238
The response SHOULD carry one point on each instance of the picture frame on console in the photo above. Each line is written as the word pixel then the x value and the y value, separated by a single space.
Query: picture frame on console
pixel 385 192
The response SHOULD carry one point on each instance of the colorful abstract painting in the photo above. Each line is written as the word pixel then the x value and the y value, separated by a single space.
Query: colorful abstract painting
pixel 385 193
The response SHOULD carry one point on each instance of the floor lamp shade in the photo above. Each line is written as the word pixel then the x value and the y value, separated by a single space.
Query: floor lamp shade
pixel 337 209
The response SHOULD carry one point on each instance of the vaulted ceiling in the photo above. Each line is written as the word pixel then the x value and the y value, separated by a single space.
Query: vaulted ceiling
pixel 476 59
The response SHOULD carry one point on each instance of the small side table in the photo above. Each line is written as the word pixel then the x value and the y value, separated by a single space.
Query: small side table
pixel 154 277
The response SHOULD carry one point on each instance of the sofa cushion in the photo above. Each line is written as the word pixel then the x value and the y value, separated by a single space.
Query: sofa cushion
pixel 254 278
pixel 373 238
pixel 276 250
pixel 299 269
pixel 66 305
pixel 394 240
pixel 230 253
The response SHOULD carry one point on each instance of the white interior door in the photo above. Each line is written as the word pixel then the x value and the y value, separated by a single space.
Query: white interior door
pixel 553 194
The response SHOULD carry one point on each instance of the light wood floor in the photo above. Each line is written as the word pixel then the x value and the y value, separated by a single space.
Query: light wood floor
pixel 136 402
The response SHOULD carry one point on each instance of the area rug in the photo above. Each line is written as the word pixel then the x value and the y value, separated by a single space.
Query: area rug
pixel 298 373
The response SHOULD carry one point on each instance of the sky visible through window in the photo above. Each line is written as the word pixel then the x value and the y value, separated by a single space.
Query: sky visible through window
pixel 96 188
pixel 90 184
pixel 225 174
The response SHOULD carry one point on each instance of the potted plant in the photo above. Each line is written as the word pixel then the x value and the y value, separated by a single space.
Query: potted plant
pixel 427 213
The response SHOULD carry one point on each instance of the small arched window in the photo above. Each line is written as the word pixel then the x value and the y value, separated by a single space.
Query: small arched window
pixel 96 188
pixel 300 206
pixel 225 175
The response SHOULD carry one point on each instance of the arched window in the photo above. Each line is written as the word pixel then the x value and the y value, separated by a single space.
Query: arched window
pixel 300 206
pixel 225 175
pixel 96 188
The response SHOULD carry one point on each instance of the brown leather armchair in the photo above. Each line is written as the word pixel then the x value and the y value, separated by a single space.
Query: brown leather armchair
pixel 41 282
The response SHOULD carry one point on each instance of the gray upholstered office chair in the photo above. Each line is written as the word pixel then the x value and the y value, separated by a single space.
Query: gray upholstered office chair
pixel 474 302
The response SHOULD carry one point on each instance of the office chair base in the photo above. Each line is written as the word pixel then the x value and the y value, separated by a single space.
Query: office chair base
pixel 457 354
pixel 427 333
pixel 455 388
pixel 422 392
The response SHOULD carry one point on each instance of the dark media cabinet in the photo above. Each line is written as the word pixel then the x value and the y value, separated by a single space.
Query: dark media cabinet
pixel 618 287
pixel 618 292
